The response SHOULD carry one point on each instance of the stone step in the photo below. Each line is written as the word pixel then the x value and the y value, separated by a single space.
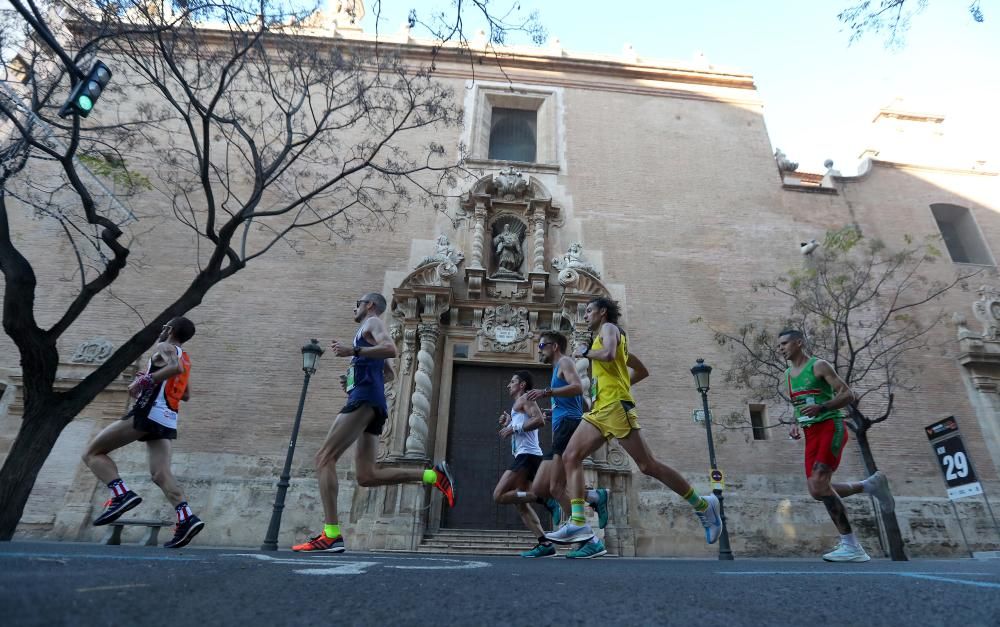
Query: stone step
pixel 479 542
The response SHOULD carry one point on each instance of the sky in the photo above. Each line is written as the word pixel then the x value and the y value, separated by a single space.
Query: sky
pixel 820 94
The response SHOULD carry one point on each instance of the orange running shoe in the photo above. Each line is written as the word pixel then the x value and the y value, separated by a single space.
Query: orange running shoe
pixel 445 482
pixel 321 543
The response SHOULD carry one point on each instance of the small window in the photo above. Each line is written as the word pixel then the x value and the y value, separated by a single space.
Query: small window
pixel 961 235
pixel 513 135
pixel 461 351
pixel 758 421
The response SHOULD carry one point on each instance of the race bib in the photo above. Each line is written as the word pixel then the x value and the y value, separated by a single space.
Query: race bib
pixel 809 400
pixel 350 379
pixel 593 389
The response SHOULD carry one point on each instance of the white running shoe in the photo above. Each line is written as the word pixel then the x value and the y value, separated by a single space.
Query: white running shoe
pixel 880 490
pixel 847 553
pixel 710 519
pixel 570 533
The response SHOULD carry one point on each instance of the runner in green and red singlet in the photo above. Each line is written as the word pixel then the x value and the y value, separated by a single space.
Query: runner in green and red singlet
pixel 818 394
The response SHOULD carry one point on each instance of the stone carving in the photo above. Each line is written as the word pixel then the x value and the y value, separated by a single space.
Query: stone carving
pixel 478 237
pixel 508 236
pixel 987 311
pixel 423 390
pixel 409 345
pixel 94 351
pixel 574 259
pixel 507 290
pixel 386 435
pixel 348 12
pixel 616 455
pixel 784 163
pixel 445 254
pixel 505 329
pixel 510 184
pixel 962 326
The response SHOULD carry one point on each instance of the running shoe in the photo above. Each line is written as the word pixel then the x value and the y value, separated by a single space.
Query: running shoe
pixel 594 548
pixel 879 486
pixel 445 482
pixel 184 532
pixel 570 533
pixel 847 553
pixel 710 519
pixel 601 506
pixel 540 550
pixel 320 543
pixel 117 506
pixel 553 506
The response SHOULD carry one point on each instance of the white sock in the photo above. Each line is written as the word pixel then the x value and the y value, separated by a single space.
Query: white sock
pixel 849 539
pixel 521 495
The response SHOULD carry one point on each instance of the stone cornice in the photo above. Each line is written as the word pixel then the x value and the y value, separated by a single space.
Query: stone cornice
pixel 539 65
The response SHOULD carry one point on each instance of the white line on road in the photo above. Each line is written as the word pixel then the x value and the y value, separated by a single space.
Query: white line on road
pixel 911 575
pixel 449 564
pixel 341 568
pixel 119 587
pixel 978 584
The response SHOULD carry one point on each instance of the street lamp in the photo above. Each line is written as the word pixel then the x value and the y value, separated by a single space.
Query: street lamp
pixel 310 355
pixel 702 373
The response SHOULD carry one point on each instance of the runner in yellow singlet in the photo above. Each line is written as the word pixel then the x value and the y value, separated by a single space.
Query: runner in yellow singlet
pixel 614 370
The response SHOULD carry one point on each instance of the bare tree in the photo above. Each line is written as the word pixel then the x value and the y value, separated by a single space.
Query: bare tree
pixel 890 18
pixel 257 133
pixel 864 308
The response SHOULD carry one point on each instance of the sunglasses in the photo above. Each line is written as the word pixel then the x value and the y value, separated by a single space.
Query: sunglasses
pixel 542 345
pixel 358 303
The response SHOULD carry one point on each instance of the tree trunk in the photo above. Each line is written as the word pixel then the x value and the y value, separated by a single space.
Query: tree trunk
pixel 38 434
pixel 897 550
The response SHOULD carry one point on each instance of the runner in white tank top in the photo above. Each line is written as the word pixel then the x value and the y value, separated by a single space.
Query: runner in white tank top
pixel 521 426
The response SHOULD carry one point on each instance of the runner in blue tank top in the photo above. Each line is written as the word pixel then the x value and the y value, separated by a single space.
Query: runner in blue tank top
pixel 362 420
pixel 566 392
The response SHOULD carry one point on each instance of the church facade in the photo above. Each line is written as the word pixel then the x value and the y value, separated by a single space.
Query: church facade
pixel 649 183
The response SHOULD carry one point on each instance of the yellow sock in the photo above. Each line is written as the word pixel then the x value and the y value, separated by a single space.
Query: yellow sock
pixel 578 517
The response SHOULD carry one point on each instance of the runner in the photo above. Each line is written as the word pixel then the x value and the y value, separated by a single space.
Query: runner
pixel 521 426
pixel 153 420
pixel 566 391
pixel 361 420
pixel 613 415
pixel 817 395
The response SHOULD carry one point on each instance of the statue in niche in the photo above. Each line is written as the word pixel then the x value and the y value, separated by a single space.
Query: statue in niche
pixel 507 246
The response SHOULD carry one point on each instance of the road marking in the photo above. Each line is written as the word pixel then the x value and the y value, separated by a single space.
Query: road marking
pixel 334 563
pixel 68 556
pixel 121 587
pixel 342 568
pixel 843 572
pixel 911 575
pixel 461 565
pixel 978 584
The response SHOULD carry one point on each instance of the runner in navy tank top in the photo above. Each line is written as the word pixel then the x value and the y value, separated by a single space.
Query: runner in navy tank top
pixel 361 420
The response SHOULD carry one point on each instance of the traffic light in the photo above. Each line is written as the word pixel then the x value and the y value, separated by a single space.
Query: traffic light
pixel 87 91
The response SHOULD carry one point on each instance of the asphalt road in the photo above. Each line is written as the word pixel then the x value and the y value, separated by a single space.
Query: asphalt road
pixel 83 584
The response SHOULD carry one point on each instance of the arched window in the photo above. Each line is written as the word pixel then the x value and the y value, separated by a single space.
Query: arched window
pixel 513 135
pixel 961 235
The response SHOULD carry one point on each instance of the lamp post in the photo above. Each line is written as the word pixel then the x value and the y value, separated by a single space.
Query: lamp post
pixel 310 355
pixel 702 373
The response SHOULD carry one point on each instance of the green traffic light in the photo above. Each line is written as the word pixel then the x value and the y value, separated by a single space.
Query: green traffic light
pixel 85 103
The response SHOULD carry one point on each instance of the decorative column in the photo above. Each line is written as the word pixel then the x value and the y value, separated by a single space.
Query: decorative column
pixel 475 271
pixel 538 277
pixel 423 390
pixel 538 264
pixel 478 236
